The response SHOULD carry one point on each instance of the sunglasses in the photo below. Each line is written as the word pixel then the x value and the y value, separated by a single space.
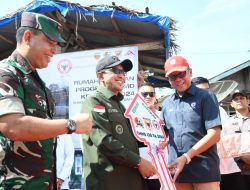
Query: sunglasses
pixel 179 75
pixel 145 94
pixel 115 71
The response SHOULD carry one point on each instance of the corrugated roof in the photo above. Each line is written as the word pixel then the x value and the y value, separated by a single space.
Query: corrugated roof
pixel 230 71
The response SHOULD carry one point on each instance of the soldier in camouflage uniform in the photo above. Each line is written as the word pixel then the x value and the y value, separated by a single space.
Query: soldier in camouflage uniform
pixel 111 155
pixel 27 131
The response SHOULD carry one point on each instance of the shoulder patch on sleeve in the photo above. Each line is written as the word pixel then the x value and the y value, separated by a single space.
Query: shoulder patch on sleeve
pixel 99 109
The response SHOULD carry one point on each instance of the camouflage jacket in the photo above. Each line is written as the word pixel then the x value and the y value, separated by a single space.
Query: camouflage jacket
pixel 26 165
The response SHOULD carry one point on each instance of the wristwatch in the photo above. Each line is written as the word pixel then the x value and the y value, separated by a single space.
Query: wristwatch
pixel 187 157
pixel 71 126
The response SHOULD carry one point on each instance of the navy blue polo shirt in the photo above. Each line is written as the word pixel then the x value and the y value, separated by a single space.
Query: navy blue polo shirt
pixel 187 120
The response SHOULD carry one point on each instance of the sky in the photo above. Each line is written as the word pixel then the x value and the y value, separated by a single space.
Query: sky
pixel 213 35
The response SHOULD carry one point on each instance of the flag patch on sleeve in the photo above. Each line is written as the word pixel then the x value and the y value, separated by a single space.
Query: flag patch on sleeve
pixel 99 109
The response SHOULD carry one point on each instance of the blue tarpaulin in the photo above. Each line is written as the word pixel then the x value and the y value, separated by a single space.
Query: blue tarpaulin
pixel 44 6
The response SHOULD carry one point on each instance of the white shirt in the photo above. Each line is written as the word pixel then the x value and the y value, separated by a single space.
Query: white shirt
pixel 64 159
pixel 227 165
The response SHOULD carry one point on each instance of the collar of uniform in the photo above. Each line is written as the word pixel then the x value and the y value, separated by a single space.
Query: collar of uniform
pixel 246 117
pixel 19 62
pixel 118 97
pixel 109 94
pixel 192 89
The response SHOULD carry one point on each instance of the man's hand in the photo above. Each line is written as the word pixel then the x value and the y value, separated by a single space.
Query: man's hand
pixel 246 159
pixel 146 168
pixel 83 123
pixel 177 166
pixel 59 183
pixel 164 144
pixel 141 76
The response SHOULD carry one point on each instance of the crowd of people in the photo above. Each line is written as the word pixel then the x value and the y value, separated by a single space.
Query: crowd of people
pixel 33 152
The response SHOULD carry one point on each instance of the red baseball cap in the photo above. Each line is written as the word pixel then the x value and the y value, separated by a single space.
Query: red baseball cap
pixel 175 63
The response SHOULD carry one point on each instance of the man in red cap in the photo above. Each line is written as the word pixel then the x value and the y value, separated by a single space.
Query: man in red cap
pixel 192 119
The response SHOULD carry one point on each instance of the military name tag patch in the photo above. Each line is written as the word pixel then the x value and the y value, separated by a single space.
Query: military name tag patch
pixel 112 110
pixel 119 129
pixel 99 109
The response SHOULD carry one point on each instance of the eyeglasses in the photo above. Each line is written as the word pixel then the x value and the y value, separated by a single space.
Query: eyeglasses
pixel 145 94
pixel 115 71
pixel 179 75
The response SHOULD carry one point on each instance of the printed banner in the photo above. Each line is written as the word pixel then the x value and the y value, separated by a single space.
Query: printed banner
pixel 72 77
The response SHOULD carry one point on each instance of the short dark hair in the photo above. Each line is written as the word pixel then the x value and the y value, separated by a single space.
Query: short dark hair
pixel 200 80
pixel 147 84
pixel 20 31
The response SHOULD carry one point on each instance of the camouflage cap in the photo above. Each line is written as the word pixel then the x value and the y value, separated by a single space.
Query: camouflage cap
pixel 48 26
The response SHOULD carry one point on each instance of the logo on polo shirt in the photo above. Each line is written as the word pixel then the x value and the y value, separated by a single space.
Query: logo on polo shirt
pixel 193 105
